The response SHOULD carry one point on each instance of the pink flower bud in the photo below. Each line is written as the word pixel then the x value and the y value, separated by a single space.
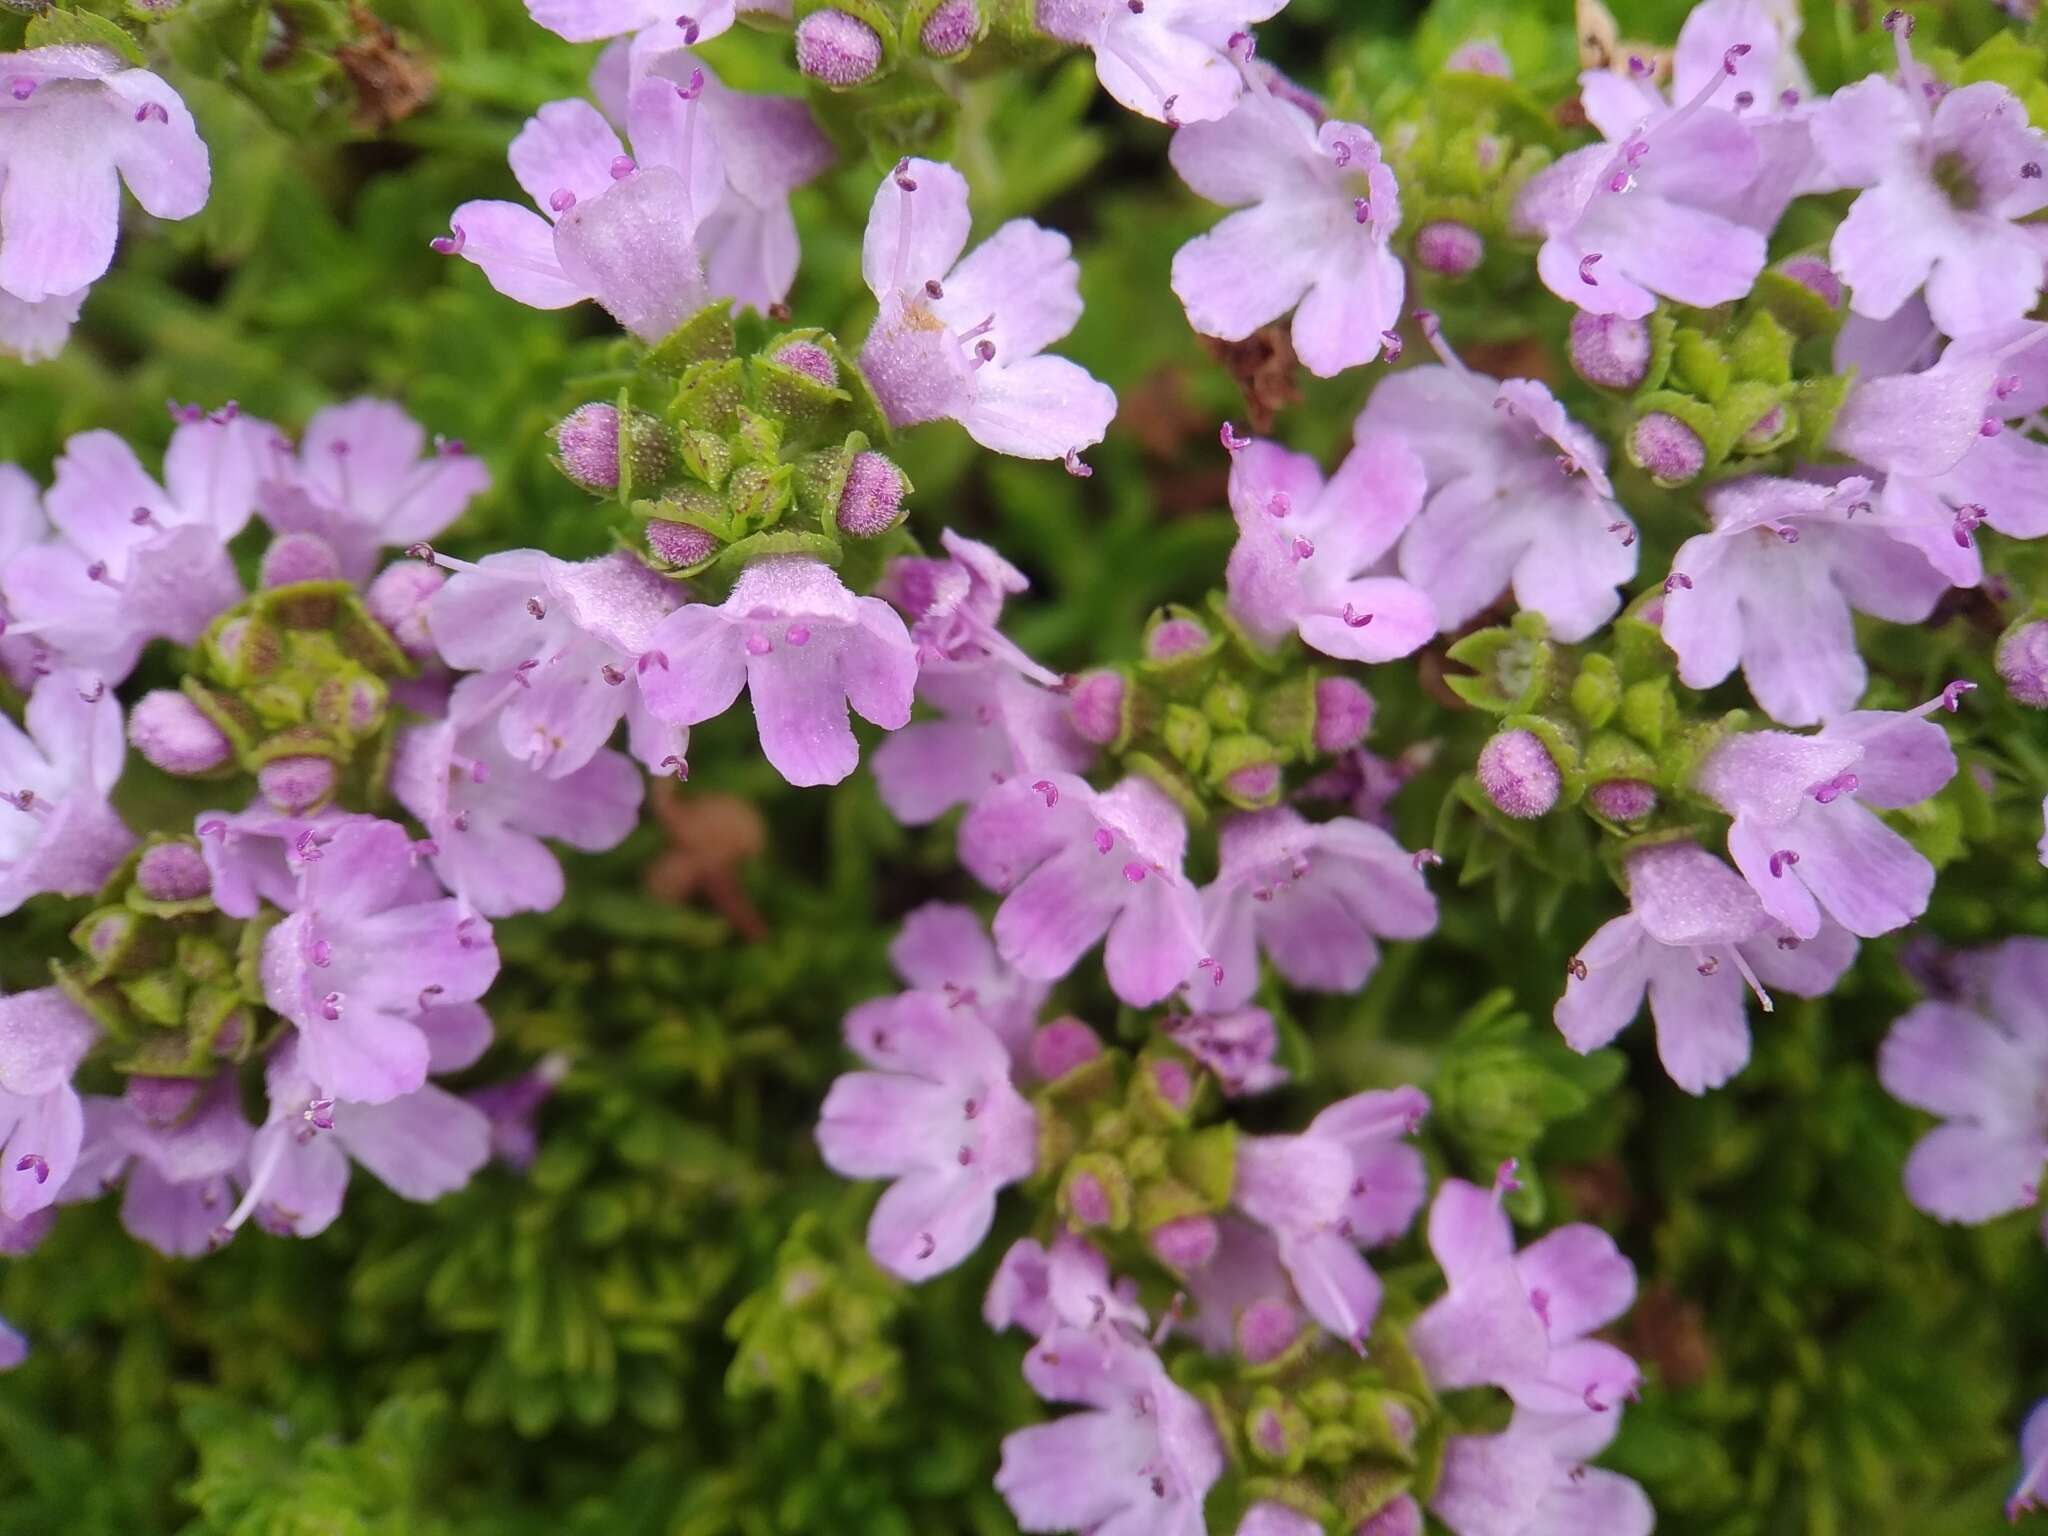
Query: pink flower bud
pixel 1448 248
pixel 296 557
pixel 1175 637
pixel 1610 351
pixel 173 872
pixel 950 30
pixel 1813 273
pixel 2023 663
pixel 871 503
pixel 679 544
pixel 296 785
pixel 1096 707
pixel 171 733
pixel 1516 771
pixel 1186 1243
pixel 1622 800
pixel 1665 446
pixel 588 441
pixel 808 359
pixel 1344 713
pixel 398 599
pixel 839 49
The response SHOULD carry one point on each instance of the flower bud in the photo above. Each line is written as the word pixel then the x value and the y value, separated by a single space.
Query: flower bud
pixel 1096 706
pixel 2023 662
pixel 1174 637
pixel 1061 1046
pixel 1186 1243
pixel 1265 1329
pixel 1343 714
pixel 173 872
pixel 172 733
pixel 1814 273
pixel 296 557
pixel 1610 351
pixel 398 600
pixel 950 30
pixel 1765 432
pixel 1665 446
pixel 1448 248
pixel 1252 784
pixel 871 502
pixel 1622 800
pixel 296 785
pixel 1518 775
pixel 592 439
pixel 808 359
pixel 838 49
pixel 679 544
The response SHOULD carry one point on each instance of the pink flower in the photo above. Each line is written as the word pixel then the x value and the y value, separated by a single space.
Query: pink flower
pixel 1518 496
pixel 364 481
pixel 586 21
pixel 939 1116
pixel 174 1144
pixel 1980 1062
pixel 1532 1480
pixel 1695 938
pixel 955 607
pixel 1348 1180
pixel 36 332
pixel 617 228
pixel 1169 60
pixel 1318 210
pixel 943 947
pixel 804 647
pixel 1773 587
pixel 57 831
pixel 79 123
pixel 23 657
pixel 43 1037
pixel 1139 1461
pixel 136 561
pixel 1315 897
pixel 1805 835
pixel 965 338
pixel 1075 865
pixel 994 726
pixel 1306 550
pixel 371 948
pixel 1237 1046
pixel 1067 1286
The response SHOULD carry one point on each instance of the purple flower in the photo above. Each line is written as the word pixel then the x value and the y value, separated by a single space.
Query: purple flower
pixel 559 645
pixel 1244 1301
pixel 23 657
pixel 586 21
pixel 1695 938
pixel 136 561
pixel 1980 1061
pixel 175 1143
pixel 768 145
pixel 1076 864
pixel 1237 1046
pixel 1318 210
pixel 1314 896
pixel 364 480
pixel 57 831
pixel 1805 835
pixel 2033 1462
pixel 1067 1286
pixel 994 726
pixel 1138 1462
pixel 79 123
pixel 36 332
pixel 43 1037
pixel 255 855
pixel 617 228
pixel 1658 210
pixel 804 648
pixel 422 1144
pixel 1170 60
pixel 955 607
pixel 1532 1480
pixel 1305 550
pixel 1522 1321
pixel 1347 1180
pixel 1773 586
pixel 371 948
pixel 511 1105
pixel 1518 495
pixel 939 1116
pixel 965 338
pixel 1948 185
pixel 487 811
pixel 943 947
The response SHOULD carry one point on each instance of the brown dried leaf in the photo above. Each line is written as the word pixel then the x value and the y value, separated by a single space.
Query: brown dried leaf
pixel 711 837
pixel 391 83
pixel 1264 366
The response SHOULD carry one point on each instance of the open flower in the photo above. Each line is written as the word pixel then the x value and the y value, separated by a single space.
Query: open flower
pixel 1980 1061
pixel 1067 1285
pixel 1169 60
pixel 1532 1480
pixel 364 481
pixel 1696 940
pixel 943 947
pixel 43 1037
pixel 1806 836
pixel 994 726
pixel 1318 210
pixel 964 338
pixel 617 228
pixel 174 1144
pixel 1517 496
pixel 23 657
pixel 57 831
pixel 804 648
pixel 1306 550
pixel 136 561
pixel 939 1116
pixel 1076 865
pixel 371 947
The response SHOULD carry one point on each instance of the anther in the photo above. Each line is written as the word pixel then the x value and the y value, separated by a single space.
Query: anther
pixel 1073 465
pixel 450 244
pixel 1586 265
pixel 562 200
pixel 1233 440
pixel 1781 861
pixel 622 167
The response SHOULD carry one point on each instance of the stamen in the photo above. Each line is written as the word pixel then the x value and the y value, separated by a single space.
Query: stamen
pixel 1104 840
pixel 622 167
pixel 450 244
pixel 536 607
pixel 1844 783
pixel 1048 791
pixel 1134 872
pixel 1280 504
pixel 35 1163
pixel 1355 620
pixel 691 31
pixel 1628 533
pixel 330 1006
pixel 1576 968
pixel 1304 549
pixel 1073 465
pixel 152 112
pixel 1233 440
pixel 1425 858
pixel 1781 861
pixel 562 200
pixel 21 88
pixel 1586 265
pixel 1677 579
pixel 1391 341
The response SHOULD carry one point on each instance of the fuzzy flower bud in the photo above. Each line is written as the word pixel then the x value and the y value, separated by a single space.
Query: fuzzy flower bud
pixel 173 872
pixel 1665 446
pixel 1516 771
pixel 808 359
pixel 2023 662
pixel 679 544
pixel 296 557
pixel 1610 350
pixel 1448 248
pixel 1059 1047
pixel 838 49
pixel 398 599
pixel 871 503
pixel 1096 706
pixel 1814 273
pixel 588 441
pixel 1343 714
pixel 1174 637
pixel 949 31
pixel 1185 1244
pixel 296 784
pixel 171 733
pixel 1622 800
